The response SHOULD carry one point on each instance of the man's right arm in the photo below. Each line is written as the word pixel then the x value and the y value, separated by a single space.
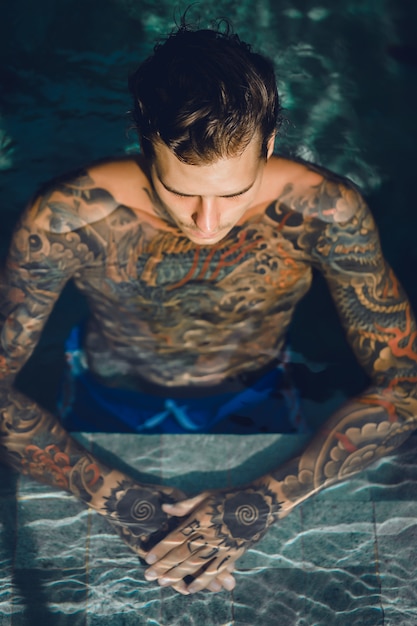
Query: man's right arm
pixel 48 247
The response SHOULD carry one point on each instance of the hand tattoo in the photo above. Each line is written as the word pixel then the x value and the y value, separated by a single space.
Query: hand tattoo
pixel 136 513
pixel 219 530
pixel 240 517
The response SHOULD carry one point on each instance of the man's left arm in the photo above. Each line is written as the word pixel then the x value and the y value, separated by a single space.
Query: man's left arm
pixel 341 240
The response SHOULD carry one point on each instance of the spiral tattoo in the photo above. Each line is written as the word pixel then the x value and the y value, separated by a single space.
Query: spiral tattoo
pixel 142 510
pixel 242 517
pixel 137 508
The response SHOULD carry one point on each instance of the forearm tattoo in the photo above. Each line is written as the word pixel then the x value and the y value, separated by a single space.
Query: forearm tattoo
pixel 45 252
pixel 33 442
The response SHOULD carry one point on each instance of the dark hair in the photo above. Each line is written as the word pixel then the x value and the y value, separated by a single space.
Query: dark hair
pixel 205 94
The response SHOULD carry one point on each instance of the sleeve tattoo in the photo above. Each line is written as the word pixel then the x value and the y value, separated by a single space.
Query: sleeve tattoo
pixel 46 250
pixel 336 230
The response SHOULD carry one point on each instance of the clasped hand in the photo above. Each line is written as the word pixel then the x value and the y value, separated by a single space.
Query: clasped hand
pixel 136 513
pixel 218 528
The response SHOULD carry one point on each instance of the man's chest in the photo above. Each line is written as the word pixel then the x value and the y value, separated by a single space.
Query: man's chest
pixel 253 271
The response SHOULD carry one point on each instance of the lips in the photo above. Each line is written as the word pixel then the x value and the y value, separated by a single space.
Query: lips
pixel 203 237
pixel 198 236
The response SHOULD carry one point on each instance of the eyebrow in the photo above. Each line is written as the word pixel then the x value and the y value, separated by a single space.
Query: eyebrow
pixel 191 195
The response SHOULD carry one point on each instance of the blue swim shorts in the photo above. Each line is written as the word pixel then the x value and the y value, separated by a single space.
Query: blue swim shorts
pixel 265 404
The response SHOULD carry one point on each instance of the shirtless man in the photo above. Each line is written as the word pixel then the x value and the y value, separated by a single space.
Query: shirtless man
pixel 193 257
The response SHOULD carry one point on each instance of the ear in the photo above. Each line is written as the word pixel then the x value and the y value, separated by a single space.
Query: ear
pixel 270 146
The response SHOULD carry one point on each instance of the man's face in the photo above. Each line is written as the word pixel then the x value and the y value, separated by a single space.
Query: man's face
pixel 206 201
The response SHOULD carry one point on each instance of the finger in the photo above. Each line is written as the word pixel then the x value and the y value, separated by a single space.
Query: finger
pixel 181 587
pixel 179 509
pixel 218 584
pixel 225 579
pixel 196 545
pixel 191 567
pixel 164 547
pixel 192 561
pixel 183 545
pixel 185 560
pixel 211 576
pixel 214 586
pixel 185 533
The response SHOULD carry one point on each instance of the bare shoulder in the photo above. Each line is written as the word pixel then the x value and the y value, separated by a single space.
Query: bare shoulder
pixel 88 195
pixel 118 176
pixel 314 191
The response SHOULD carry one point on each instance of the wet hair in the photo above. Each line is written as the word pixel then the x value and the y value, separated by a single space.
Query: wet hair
pixel 205 94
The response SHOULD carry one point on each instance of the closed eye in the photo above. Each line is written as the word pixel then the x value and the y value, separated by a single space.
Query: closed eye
pixel 236 195
pixel 185 195
pixel 180 195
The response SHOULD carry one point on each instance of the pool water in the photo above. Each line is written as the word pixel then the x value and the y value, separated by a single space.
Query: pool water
pixel 347 73
pixel 347 556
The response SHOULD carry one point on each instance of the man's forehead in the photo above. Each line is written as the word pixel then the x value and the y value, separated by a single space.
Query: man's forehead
pixel 161 150
pixel 165 160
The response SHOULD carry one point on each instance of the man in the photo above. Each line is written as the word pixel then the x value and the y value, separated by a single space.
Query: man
pixel 193 257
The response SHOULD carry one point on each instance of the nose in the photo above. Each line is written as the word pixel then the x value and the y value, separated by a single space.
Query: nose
pixel 206 216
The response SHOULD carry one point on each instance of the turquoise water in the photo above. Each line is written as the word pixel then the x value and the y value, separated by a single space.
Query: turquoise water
pixel 348 556
pixel 348 77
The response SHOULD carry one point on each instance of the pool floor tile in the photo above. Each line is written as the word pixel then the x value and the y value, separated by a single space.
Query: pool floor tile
pixel 262 454
pixel 395 616
pixel 280 547
pixel 6 595
pixel 28 487
pixel 355 489
pixel 123 618
pixel 396 531
pixel 194 463
pixel 269 597
pixel 105 547
pixel 49 597
pixel 336 534
pixel 52 533
pixel 138 456
pixel 394 478
pixel 8 530
pixel 122 592
pixel 200 609
pixel 337 597
pixel 43 616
